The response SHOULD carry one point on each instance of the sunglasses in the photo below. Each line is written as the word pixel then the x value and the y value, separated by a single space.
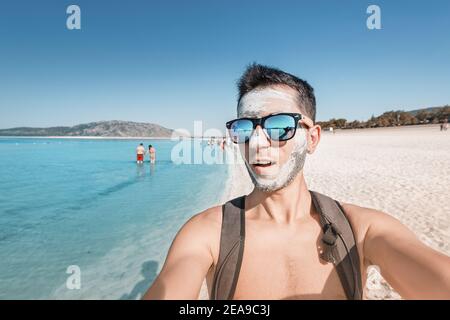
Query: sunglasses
pixel 277 127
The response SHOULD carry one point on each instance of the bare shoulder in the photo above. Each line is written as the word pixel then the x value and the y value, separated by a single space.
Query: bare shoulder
pixel 207 219
pixel 201 229
pixel 371 224
pixel 362 218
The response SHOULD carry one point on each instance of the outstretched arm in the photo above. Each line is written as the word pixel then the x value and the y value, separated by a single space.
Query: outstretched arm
pixel 186 265
pixel 413 269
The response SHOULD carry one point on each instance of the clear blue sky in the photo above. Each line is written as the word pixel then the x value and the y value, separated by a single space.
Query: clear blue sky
pixel 173 62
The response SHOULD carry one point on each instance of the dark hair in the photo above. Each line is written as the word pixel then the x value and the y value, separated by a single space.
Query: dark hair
pixel 149 146
pixel 141 144
pixel 257 76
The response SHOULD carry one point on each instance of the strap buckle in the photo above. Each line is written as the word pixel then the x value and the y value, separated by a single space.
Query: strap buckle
pixel 329 235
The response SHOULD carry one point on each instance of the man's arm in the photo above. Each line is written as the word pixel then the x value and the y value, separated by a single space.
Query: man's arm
pixel 413 269
pixel 187 263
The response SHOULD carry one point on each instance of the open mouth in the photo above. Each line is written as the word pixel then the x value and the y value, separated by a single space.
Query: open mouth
pixel 262 163
pixel 264 167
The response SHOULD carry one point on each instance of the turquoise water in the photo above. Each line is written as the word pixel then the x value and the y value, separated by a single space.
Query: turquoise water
pixel 87 203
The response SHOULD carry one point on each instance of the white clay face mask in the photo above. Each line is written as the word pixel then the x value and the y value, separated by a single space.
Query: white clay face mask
pixel 257 103
pixel 288 171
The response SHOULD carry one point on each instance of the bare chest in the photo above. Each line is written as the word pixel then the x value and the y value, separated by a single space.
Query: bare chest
pixel 286 264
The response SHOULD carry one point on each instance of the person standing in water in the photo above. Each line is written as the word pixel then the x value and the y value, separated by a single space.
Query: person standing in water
pixel 152 153
pixel 140 151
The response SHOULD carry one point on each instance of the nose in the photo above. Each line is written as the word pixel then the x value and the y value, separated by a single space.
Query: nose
pixel 259 138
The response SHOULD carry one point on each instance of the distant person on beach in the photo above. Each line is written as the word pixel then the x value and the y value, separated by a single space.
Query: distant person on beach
pixel 223 142
pixel 152 153
pixel 284 241
pixel 140 151
pixel 444 125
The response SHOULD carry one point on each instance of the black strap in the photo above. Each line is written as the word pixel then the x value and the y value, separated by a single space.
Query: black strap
pixel 231 250
pixel 339 245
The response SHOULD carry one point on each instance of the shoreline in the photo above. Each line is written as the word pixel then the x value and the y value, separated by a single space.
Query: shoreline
pixel 392 128
pixel 337 130
pixel 105 138
pixel 86 138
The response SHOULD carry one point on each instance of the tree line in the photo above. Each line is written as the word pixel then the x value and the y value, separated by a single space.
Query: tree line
pixel 392 118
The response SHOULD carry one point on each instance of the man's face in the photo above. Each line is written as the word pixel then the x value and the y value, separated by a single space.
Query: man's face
pixel 286 158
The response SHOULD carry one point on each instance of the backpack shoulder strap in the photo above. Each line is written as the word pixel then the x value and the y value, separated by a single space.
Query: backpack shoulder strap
pixel 231 249
pixel 339 245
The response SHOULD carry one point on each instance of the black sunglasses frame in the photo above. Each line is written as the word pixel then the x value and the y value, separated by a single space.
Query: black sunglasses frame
pixel 260 121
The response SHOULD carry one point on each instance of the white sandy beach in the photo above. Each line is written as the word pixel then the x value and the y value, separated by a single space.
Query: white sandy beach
pixel 403 171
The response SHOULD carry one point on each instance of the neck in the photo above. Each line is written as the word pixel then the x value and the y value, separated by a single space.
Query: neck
pixel 288 205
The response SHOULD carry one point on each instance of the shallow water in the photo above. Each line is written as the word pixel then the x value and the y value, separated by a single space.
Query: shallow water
pixel 87 203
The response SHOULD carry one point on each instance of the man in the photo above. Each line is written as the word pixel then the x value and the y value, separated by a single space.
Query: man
pixel 140 151
pixel 285 237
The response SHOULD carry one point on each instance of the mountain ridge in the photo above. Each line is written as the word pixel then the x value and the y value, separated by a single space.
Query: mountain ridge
pixel 108 128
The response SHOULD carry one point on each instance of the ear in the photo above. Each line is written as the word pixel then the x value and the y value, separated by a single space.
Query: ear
pixel 313 138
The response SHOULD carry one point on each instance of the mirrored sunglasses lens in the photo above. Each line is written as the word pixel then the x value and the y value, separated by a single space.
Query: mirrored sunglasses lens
pixel 241 130
pixel 280 127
